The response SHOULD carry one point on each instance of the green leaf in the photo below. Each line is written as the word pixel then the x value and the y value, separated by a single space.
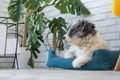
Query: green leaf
pixel 40 37
pixel 61 5
pixel 52 24
pixel 35 55
pixel 60 45
pixel 37 46
pixel 60 24
pixel 30 61
pixel 37 50
pixel 36 26
pixel 23 1
pixel 47 1
pixel 16 10
pixel 71 6
pixel 32 4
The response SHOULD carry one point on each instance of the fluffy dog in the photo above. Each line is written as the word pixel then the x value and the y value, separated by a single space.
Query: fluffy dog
pixel 83 40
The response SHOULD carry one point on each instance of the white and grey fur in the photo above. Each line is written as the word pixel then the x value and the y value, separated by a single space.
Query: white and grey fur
pixel 83 40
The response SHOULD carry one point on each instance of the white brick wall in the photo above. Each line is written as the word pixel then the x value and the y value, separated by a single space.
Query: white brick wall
pixel 106 23
pixel 111 36
pixel 3 8
pixel 98 17
pixel 114 28
pixel 115 43
pixel 118 21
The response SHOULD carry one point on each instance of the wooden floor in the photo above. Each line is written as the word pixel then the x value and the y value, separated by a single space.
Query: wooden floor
pixel 50 74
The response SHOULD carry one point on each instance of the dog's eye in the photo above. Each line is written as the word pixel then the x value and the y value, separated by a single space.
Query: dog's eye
pixel 72 30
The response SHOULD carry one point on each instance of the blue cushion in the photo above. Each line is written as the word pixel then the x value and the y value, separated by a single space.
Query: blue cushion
pixel 101 60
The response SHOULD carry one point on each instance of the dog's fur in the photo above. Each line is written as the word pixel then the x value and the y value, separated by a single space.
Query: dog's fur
pixel 83 40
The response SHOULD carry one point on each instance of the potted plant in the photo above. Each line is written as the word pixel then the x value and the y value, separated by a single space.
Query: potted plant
pixel 35 22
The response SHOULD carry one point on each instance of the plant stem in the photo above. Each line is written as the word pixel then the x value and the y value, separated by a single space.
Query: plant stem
pixel 54 38
pixel 25 29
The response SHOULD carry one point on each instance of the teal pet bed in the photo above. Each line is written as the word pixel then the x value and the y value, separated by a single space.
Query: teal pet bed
pixel 101 60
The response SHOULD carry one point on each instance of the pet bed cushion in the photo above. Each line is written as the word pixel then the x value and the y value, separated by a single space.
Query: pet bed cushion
pixel 101 60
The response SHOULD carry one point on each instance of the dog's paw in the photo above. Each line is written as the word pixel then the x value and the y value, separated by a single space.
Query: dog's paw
pixel 77 64
pixel 68 55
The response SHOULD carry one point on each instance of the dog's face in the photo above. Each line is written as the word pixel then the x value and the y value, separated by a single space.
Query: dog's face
pixel 78 31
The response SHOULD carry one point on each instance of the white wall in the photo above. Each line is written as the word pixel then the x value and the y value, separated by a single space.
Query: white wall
pixel 3 8
pixel 107 24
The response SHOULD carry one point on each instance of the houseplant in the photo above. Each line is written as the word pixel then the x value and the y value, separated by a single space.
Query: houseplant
pixel 35 22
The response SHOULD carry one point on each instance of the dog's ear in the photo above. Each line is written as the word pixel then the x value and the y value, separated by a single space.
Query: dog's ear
pixel 86 28
pixel 82 30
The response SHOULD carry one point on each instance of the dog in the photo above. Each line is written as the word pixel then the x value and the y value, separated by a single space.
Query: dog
pixel 83 40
